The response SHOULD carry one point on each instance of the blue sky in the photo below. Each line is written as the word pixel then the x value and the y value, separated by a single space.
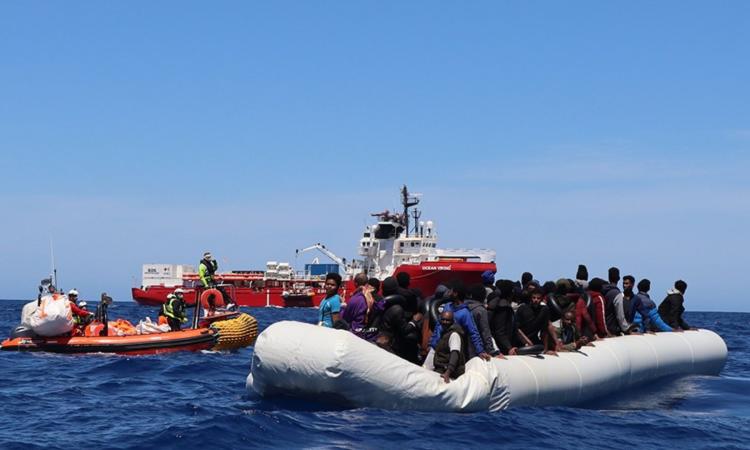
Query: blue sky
pixel 557 133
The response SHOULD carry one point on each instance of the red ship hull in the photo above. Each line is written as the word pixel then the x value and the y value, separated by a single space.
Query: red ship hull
pixel 425 276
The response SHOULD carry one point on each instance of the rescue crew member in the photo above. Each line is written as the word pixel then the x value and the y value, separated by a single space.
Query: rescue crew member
pixel 174 311
pixel 206 270
pixel 80 315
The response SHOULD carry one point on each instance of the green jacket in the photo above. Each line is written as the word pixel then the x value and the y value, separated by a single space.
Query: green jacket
pixel 174 309
pixel 206 270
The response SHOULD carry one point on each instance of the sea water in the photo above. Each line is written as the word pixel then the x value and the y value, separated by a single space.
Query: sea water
pixel 193 400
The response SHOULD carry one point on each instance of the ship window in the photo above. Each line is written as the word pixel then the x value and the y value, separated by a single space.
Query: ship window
pixel 367 235
pixel 385 231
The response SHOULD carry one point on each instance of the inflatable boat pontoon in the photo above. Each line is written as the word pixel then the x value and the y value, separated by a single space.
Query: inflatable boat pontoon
pixel 303 360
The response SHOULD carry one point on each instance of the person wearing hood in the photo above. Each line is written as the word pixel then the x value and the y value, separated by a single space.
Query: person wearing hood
pixel 398 326
pixel 644 311
pixel 671 308
pixel 477 307
pixel 427 325
pixel 411 299
pixel 449 356
pixel 488 280
pixel 599 308
pixel 582 277
pixel 501 318
pixel 462 316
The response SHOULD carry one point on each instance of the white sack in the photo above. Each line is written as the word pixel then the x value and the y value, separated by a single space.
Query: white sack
pixel 53 317
pixel 146 326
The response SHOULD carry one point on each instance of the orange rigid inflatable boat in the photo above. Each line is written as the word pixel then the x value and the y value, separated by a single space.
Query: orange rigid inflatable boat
pixel 140 344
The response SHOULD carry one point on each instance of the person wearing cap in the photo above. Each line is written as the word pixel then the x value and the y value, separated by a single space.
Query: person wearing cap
pixel 174 311
pixel 80 315
pixel 206 270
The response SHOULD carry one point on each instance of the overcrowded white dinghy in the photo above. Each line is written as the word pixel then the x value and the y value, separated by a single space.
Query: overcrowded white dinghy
pixel 302 360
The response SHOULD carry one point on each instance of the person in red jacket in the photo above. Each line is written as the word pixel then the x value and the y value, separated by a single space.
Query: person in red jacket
pixel 598 307
pixel 79 314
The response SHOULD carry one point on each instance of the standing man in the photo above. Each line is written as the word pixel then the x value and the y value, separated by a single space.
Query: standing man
pixel 358 307
pixel 615 323
pixel 330 308
pixel 206 271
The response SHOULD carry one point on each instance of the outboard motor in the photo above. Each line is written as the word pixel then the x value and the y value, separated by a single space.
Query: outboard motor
pixel 22 331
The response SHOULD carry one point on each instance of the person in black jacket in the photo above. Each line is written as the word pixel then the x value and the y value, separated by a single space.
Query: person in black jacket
pixel 671 309
pixel 411 300
pixel 398 326
pixel 500 312
pixel 478 309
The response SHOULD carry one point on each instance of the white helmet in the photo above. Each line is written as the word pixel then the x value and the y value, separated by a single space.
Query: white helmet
pixel 82 305
pixel 179 291
pixel 73 292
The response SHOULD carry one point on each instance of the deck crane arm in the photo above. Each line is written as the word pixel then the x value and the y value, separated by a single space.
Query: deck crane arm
pixel 322 249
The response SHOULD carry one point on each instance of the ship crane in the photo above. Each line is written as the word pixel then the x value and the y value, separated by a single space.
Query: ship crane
pixel 322 249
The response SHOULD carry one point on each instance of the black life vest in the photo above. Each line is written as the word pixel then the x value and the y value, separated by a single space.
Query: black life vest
pixel 443 352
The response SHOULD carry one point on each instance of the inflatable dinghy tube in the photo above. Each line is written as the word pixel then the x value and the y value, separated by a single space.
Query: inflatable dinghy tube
pixel 303 360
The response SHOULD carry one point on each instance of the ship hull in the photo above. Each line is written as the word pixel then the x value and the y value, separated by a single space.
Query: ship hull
pixel 425 277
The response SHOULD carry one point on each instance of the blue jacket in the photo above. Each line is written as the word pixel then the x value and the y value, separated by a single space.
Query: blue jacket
pixel 646 313
pixel 461 316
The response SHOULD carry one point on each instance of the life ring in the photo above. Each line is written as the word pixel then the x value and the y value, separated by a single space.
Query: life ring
pixel 435 309
pixel 217 302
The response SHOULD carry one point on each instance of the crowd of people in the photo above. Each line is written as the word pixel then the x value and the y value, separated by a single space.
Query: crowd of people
pixel 497 318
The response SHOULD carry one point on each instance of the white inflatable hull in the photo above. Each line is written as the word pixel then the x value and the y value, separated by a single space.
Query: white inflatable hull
pixel 303 360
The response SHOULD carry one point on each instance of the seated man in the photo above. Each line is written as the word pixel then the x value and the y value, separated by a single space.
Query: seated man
pixel 450 356
pixel 533 320
pixel 80 314
pixel 671 309
pixel 568 333
pixel 644 310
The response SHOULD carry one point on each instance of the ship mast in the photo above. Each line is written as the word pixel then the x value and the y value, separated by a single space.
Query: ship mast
pixel 409 201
